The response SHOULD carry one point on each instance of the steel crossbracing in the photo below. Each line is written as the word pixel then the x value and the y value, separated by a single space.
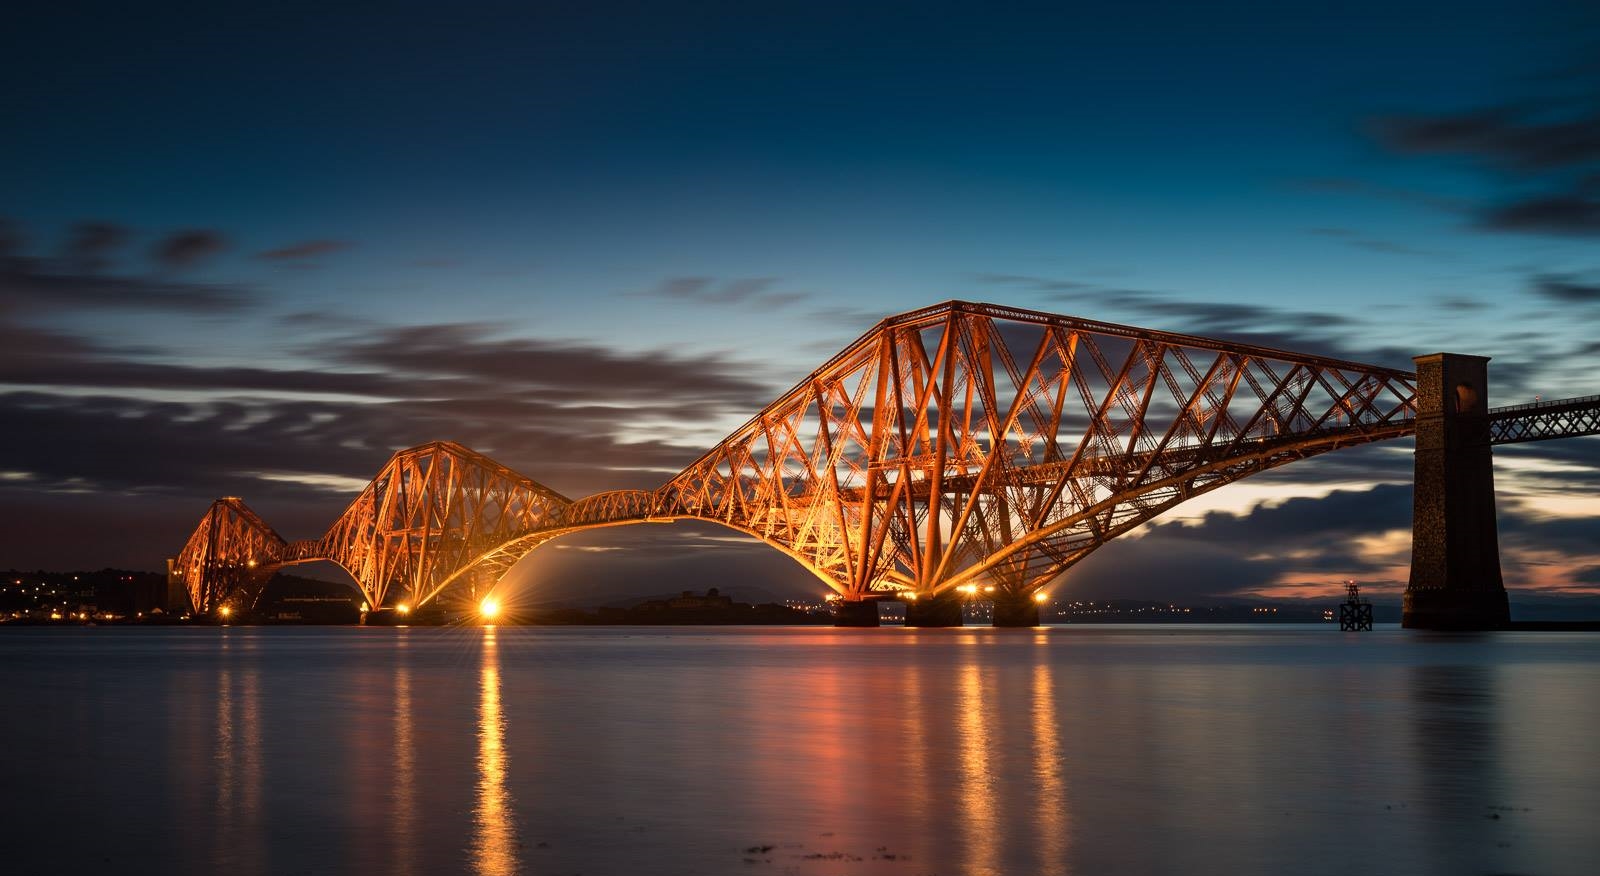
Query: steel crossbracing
pixel 230 556
pixel 969 442
pixel 418 526
pixel 1557 418
pixel 956 444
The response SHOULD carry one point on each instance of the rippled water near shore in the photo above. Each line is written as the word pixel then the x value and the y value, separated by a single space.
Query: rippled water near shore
pixel 1066 750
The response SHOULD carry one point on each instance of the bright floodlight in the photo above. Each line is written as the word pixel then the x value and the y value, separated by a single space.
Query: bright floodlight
pixel 489 607
pixel 225 611
pixel 1039 597
pixel 403 608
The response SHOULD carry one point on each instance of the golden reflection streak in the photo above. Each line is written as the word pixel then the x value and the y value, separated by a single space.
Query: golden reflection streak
pixel 980 825
pixel 1052 818
pixel 494 848
pixel 223 756
pixel 223 833
pixel 250 758
pixel 237 756
pixel 403 825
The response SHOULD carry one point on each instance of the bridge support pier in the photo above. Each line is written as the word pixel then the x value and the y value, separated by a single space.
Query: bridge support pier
pixel 855 613
pixel 1015 609
pixel 1455 548
pixel 943 610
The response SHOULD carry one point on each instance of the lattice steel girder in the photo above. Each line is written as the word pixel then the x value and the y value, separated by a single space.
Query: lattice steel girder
pixel 956 440
pixel 946 444
pixel 229 557
pixel 1558 418
pixel 427 514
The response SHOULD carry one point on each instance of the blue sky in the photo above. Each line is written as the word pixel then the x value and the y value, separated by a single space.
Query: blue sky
pixel 219 223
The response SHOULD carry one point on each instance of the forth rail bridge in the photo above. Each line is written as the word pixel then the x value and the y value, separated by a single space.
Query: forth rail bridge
pixel 955 450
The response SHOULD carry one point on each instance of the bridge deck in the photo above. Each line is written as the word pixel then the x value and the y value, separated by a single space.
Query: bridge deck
pixel 1544 420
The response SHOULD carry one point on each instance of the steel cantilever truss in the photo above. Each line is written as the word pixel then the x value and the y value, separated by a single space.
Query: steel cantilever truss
pixel 416 528
pixel 968 441
pixel 230 556
pixel 950 445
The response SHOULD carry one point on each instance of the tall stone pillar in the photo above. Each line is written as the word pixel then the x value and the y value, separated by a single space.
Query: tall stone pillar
pixel 1455 550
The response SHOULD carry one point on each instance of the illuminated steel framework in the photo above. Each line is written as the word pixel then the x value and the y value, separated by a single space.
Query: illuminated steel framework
pixel 956 444
pixel 418 527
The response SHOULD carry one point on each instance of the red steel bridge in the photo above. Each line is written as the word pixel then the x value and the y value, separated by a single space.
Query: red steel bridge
pixel 958 449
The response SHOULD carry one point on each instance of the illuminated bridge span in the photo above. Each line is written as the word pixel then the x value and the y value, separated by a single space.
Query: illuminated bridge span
pixel 957 448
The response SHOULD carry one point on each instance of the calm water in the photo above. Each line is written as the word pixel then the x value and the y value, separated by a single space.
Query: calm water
pixel 798 751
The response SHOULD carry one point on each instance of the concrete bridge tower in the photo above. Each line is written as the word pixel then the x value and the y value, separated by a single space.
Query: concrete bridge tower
pixel 1455 548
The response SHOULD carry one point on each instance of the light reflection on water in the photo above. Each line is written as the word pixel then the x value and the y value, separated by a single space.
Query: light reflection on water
pixel 806 751
pixel 1051 810
pixel 494 851
pixel 981 826
pixel 403 826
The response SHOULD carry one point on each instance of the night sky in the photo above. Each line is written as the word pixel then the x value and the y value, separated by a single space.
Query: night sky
pixel 254 252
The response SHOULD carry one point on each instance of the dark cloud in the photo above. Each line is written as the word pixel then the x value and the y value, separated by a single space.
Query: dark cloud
pixel 565 413
pixel 305 250
pixel 185 249
pixel 1575 214
pixel 1590 575
pixel 1529 529
pixel 710 290
pixel 1572 454
pixel 90 244
pixel 584 370
pixel 1222 555
pixel 1315 333
pixel 1565 289
pixel 1506 138
pixel 1546 150
pixel 28 284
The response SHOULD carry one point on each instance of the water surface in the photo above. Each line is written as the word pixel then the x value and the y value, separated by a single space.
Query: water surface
pixel 1068 750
